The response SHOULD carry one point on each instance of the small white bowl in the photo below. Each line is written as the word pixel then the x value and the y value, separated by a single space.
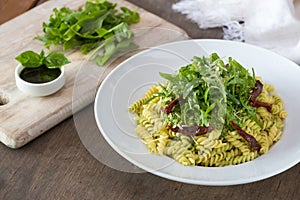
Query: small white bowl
pixel 39 89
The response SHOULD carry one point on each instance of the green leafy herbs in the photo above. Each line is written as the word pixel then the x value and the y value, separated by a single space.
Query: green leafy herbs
pixel 39 68
pixel 211 93
pixel 31 59
pixel 96 26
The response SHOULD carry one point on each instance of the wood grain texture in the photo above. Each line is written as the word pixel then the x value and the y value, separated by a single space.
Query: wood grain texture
pixel 12 8
pixel 58 166
pixel 23 117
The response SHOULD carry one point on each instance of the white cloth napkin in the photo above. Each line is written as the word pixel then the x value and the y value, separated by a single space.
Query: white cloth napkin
pixel 271 24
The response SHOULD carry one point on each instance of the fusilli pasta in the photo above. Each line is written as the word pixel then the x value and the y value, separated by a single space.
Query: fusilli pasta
pixel 228 148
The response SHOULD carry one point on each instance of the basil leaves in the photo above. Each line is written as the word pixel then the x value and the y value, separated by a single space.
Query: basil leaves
pixel 31 59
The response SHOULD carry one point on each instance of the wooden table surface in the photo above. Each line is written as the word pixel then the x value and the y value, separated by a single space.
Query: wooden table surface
pixel 58 166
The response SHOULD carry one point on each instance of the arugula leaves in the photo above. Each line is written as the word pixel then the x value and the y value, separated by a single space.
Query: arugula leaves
pixel 97 25
pixel 31 59
pixel 210 93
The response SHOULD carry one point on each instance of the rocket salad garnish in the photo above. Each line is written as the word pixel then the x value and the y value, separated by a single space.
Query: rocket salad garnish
pixel 207 95
pixel 207 84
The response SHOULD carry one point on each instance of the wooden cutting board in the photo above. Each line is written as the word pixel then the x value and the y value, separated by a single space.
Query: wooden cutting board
pixel 23 117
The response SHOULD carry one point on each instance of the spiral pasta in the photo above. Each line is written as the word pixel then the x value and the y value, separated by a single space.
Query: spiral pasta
pixel 217 150
pixel 137 106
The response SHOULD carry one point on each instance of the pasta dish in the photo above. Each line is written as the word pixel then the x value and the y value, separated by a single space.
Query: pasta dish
pixel 210 113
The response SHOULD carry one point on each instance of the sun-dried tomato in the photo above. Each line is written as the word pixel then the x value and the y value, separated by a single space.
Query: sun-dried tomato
pixel 170 106
pixel 249 138
pixel 192 130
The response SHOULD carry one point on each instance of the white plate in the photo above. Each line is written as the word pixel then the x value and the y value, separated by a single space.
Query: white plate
pixel 133 77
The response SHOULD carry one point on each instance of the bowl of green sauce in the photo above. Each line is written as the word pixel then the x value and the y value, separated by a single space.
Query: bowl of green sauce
pixel 39 74
pixel 40 81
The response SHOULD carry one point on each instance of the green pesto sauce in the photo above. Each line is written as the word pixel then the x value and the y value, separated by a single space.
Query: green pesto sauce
pixel 40 74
